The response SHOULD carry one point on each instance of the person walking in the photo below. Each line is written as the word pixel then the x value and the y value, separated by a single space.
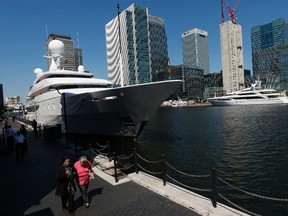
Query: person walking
pixel 19 145
pixel 34 125
pixel 66 185
pixel 10 138
pixel 23 131
pixel 83 166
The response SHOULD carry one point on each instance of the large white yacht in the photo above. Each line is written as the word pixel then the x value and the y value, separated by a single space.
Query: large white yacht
pixel 86 105
pixel 250 96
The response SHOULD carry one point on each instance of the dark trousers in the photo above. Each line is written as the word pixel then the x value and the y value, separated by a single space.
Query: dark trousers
pixel 70 199
pixel 10 144
pixel 19 150
pixel 84 192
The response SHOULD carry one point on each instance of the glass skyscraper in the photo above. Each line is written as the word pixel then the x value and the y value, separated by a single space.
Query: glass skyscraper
pixel 140 47
pixel 195 49
pixel 158 49
pixel 270 53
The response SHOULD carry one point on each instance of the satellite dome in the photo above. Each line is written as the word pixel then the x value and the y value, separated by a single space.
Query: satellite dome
pixel 38 71
pixel 81 68
pixel 56 47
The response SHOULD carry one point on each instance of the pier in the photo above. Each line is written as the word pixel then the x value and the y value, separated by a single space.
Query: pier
pixel 28 187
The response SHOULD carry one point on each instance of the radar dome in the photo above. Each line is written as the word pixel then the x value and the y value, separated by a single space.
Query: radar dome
pixel 38 71
pixel 56 47
pixel 81 68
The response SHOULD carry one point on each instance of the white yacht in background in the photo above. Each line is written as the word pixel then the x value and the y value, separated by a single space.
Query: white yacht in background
pixel 86 105
pixel 254 95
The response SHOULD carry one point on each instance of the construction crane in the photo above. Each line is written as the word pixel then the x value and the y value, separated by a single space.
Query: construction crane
pixel 231 12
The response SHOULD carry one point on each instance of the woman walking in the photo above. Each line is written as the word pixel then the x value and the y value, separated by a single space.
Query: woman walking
pixel 19 145
pixel 83 167
pixel 66 185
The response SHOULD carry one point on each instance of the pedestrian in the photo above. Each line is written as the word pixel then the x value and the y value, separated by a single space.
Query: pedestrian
pixel 19 145
pixel 83 166
pixel 10 138
pixel 34 125
pixel 66 185
pixel 23 131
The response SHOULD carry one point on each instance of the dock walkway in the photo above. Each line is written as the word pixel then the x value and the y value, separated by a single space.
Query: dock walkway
pixel 28 188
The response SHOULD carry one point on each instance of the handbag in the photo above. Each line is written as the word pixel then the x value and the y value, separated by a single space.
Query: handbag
pixel 70 189
pixel 91 175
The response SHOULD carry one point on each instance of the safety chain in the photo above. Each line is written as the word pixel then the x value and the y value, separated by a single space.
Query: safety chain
pixel 159 161
pixel 99 152
pixel 150 172
pixel 127 157
pixel 187 174
pixel 186 186
pixel 240 208
pixel 253 194
pixel 127 168
pixel 93 150
pixel 103 147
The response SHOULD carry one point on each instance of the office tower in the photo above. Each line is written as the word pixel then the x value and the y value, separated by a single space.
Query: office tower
pixel 139 47
pixel 73 56
pixel 232 56
pixel 270 53
pixel 195 49
pixel 193 81
pixel 158 48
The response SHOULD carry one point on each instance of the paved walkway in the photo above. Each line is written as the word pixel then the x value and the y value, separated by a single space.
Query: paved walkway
pixel 28 187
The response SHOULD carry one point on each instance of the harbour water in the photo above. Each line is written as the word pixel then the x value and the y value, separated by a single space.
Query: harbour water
pixel 248 146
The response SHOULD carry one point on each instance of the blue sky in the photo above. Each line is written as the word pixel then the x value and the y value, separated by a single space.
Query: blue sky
pixel 23 33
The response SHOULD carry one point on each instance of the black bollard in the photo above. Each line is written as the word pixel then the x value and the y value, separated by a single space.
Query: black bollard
pixel 164 169
pixel 135 161
pixel 115 168
pixel 214 187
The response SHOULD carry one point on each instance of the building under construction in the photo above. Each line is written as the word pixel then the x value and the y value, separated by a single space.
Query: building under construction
pixel 231 51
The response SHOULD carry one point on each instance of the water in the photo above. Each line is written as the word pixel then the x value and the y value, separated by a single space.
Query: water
pixel 247 145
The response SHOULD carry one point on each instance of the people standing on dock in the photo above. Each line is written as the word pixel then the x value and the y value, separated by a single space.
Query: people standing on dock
pixel 34 125
pixel 10 138
pixel 23 131
pixel 19 145
pixel 83 166
pixel 66 187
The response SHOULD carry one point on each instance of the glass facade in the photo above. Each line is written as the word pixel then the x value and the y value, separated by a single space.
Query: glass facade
pixel 143 47
pixel 158 49
pixel 195 49
pixel 270 53
pixel 193 81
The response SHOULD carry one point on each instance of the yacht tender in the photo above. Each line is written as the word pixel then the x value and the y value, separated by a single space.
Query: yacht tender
pixel 86 105
pixel 250 96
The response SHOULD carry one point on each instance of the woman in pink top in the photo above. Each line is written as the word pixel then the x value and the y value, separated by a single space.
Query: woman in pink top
pixel 83 167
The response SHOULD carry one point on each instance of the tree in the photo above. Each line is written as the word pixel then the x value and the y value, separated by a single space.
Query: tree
pixel 3 110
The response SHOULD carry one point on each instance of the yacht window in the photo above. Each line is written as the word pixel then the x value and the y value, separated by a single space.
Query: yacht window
pixel 32 108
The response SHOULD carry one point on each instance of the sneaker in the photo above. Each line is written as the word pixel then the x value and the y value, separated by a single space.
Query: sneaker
pixel 71 212
pixel 87 205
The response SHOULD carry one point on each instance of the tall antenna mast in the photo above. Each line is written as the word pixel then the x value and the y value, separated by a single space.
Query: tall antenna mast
pixel 78 46
pixel 46 30
pixel 120 48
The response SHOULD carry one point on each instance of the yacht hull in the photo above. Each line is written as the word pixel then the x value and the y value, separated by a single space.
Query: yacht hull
pixel 121 111
pixel 233 102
